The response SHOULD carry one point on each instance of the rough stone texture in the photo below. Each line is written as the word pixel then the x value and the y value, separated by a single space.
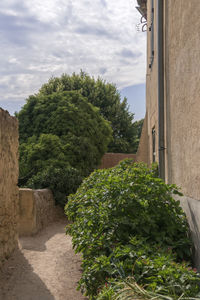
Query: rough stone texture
pixel 110 160
pixel 27 221
pixel 9 195
pixel 37 210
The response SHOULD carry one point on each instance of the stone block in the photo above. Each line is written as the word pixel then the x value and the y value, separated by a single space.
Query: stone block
pixel 37 210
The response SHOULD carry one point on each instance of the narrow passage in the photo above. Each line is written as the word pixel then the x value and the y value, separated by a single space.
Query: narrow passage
pixel 44 268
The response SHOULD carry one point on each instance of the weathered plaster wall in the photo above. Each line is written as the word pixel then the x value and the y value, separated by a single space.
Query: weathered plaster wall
pixel 37 210
pixel 151 83
pixel 183 97
pixel 9 196
pixel 182 103
pixel 182 75
pixel 110 160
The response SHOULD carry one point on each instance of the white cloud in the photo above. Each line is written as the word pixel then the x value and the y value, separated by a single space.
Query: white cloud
pixel 44 38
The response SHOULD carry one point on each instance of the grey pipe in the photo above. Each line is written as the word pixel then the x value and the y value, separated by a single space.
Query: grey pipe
pixel 161 115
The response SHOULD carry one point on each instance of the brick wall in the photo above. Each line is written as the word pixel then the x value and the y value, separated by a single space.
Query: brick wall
pixel 110 160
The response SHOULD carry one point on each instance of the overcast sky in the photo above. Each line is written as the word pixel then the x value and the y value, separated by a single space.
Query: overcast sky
pixel 40 39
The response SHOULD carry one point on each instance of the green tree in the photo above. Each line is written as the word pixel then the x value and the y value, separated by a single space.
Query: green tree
pixel 62 139
pixel 106 97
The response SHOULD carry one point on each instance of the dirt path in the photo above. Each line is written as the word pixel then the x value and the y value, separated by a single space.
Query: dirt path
pixel 44 268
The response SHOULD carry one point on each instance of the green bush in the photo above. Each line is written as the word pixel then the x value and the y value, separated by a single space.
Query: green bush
pixel 126 222
pixel 130 289
pixel 107 98
pixel 61 131
pixel 62 180
pixel 127 200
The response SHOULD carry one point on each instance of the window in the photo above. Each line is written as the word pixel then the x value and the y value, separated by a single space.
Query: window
pixel 151 29
pixel 154 144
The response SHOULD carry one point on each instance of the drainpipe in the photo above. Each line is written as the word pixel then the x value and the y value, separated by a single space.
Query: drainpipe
pixel 161 133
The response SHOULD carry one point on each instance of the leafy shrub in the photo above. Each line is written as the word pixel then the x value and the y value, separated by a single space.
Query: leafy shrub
pixel 129 289
pixel 126 222
pixel 152 267
pixel 107 98
pixel 61 180
pixel 111 205
pixel 161 274
pixel 61 131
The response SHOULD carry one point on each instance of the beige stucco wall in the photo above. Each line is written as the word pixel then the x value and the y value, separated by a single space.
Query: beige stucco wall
pixel 151 86
pixel 37 210
pixel 182 90
pixel 183 94
pixel 182 97
pixel 182 103
pixel 9 196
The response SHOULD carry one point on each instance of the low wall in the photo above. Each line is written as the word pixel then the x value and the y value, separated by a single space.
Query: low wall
pixel 37 210
pixel 9 194
pixel 110 160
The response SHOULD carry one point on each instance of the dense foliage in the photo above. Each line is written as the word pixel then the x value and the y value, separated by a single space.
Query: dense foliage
pixel 126 222
pixel 62 139
pixel 106 97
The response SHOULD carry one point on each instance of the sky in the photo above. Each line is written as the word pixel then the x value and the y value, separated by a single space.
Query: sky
pixel 41 39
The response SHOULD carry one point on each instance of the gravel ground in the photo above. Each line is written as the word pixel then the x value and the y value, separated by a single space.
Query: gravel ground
pixel 43 268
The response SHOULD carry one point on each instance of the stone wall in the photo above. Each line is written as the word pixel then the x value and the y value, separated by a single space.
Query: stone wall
pixel 110 160
pixel 37 210
pixel 9 196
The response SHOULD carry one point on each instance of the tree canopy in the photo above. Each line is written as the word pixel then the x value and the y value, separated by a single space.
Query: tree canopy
pixel 62 139
pixel 106 97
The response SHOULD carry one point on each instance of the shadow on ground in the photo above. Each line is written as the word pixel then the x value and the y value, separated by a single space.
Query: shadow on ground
pixel 19 282
pixel 41 238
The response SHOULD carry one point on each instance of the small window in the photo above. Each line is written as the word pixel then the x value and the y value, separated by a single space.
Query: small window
pixel 154 144
pixel 151 29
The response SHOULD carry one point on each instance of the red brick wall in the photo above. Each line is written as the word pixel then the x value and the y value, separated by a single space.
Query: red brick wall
pixel 110 160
